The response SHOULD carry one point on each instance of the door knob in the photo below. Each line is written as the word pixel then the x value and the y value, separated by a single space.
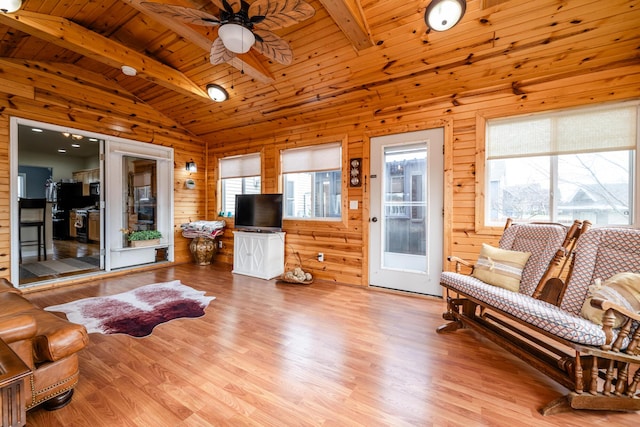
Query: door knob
pixel 374 219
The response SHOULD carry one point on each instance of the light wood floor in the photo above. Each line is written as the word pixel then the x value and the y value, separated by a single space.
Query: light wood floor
pixel 267 354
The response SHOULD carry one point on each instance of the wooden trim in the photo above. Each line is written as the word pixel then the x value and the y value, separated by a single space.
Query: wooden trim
pixel 479 174
pixel 447 202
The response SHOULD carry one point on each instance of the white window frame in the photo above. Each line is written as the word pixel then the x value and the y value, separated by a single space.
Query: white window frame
pixel 313 159
pixel 482 223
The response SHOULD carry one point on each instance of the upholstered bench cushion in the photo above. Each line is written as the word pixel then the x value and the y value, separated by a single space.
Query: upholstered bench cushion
pixel 541 314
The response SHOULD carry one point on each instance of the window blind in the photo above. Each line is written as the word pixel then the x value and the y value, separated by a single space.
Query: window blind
pixel 564 132
pixel 240 166
pixel 323 157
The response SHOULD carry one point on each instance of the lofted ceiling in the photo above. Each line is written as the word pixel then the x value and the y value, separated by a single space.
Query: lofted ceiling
pixel 352 57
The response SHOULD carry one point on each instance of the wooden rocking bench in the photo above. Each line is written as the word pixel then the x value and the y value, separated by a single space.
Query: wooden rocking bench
pixel 598 364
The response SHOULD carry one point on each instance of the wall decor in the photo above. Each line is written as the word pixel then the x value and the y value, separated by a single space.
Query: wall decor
pixel 355 168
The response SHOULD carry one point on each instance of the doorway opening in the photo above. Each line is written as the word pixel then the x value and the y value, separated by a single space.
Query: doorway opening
pixel 91 197
pixel 64 169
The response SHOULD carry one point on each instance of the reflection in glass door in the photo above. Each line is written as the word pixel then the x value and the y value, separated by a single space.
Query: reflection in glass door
pixel 405 247
pixel 140 195
pixel 403 221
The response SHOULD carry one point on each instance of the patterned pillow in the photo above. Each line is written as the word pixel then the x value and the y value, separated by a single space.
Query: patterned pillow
pixel 622 289
pixel 500 267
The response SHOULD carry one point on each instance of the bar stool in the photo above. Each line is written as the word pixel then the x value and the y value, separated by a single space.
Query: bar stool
pixel 32 213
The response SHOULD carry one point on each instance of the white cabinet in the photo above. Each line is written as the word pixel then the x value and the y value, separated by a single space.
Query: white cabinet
pixel 258 254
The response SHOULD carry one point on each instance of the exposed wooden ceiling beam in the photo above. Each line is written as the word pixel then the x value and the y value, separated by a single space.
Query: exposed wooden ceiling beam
pixel 69 35
pixel 348 16
pixel 248 62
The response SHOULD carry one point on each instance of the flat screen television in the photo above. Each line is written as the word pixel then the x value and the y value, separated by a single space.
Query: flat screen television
pixel 259 212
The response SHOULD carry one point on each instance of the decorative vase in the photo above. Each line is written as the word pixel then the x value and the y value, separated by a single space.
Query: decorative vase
pixel 143 243
pixel 202 249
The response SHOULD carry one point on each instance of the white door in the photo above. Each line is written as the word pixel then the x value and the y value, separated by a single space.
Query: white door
pixel 406 222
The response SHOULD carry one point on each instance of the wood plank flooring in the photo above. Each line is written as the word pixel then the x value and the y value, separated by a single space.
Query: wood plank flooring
pixel 267 354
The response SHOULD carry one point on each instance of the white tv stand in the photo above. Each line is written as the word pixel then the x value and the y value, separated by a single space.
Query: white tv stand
pixel 258 254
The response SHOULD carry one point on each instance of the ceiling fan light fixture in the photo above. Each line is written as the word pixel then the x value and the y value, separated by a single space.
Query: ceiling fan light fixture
pixel 10 6
pixel 442 15
pixel 236 38
pixel 217 93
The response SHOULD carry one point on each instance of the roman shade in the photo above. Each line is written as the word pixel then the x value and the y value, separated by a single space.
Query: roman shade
pixel 325 157
pixel 588 130
pixel 240 166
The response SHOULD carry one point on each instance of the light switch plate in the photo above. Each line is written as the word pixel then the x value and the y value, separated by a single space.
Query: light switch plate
pixel 353 204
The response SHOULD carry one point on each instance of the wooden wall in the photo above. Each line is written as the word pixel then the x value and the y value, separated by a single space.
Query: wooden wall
pixel 66 95
pixel 345 247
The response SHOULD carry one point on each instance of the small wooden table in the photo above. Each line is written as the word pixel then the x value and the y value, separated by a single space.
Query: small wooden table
pixel 12 387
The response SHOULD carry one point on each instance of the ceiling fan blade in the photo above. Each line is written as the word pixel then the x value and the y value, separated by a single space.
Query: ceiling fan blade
pixel 219 53
pixel 231 6
pixel 185 14
pixel 273 47
pixel 280 13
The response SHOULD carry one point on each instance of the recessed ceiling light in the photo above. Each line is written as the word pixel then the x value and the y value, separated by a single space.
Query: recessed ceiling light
pixel 93 139
pixel 75 145
pixel 61 150
pixel 36 130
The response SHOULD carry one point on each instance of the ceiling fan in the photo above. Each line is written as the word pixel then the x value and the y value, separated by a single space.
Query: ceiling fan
pixel 237 19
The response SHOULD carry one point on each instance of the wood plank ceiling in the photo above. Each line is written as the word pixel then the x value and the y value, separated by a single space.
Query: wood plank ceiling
pixel 353 56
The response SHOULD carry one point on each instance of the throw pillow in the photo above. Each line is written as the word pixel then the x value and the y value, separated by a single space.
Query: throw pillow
pixel 500 267
pixel 622 289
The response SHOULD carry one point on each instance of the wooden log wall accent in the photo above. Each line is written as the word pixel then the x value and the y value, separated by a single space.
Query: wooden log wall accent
pixel 346 250
pixel 66 95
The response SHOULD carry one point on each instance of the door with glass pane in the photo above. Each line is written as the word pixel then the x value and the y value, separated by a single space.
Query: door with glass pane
pixel 406 226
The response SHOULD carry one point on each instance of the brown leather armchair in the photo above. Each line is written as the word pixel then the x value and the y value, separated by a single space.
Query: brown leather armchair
pixel 46 343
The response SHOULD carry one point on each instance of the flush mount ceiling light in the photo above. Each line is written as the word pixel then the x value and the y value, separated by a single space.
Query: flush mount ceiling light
pixel 128 71
pixel 442 15
pixel 10 6
pixel 236 38
pixel 217 93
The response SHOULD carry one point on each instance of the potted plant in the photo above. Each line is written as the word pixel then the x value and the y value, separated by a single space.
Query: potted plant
pixel 140 238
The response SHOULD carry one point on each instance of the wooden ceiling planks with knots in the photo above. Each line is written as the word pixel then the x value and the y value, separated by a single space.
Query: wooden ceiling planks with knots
pixel 353 58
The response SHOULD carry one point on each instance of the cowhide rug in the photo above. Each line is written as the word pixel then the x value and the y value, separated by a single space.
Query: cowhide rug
pixel 138 311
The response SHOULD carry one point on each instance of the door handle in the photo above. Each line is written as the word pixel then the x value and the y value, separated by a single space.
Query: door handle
pixel 374 219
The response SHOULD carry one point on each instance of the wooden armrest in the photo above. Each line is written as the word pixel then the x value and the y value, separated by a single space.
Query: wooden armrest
pixel 608 320
pixel 459 261
pixel 605 305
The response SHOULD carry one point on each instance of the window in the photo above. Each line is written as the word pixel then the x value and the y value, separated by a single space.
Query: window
pixel 239 175
pixel 564 165
pixel 313 181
